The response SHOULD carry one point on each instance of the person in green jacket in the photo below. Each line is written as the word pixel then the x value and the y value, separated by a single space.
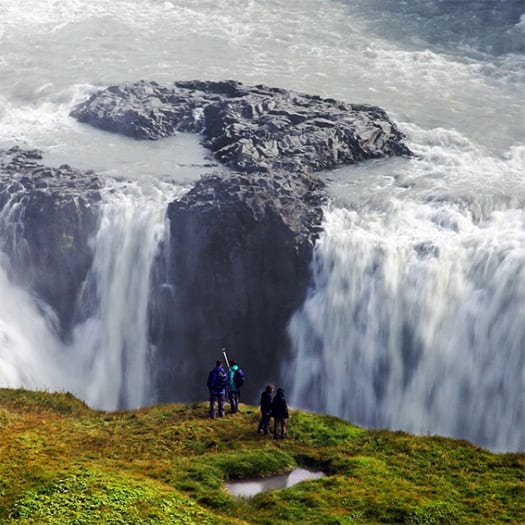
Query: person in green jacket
pixel 236 380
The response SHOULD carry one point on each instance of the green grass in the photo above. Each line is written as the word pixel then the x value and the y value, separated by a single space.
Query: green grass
pixel 62 463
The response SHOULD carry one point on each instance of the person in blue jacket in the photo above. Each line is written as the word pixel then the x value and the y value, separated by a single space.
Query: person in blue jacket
pixel 217 383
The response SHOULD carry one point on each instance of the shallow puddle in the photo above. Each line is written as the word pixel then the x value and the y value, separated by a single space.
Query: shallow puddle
pixel 251 487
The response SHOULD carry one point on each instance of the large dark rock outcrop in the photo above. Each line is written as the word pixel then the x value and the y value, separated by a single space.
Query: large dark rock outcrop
pixel 249 128
pixel 240 253
pixel 241 243
pixel 47 216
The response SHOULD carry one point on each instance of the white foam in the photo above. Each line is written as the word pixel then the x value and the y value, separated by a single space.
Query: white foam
pixel 315 46
pixel 521 23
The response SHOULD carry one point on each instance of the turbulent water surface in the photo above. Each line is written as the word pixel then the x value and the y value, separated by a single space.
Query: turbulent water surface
pixel 416 316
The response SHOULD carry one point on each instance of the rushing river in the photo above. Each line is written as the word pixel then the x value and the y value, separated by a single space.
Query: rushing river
pixel 416 316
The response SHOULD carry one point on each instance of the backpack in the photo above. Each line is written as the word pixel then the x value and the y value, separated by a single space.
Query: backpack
pixel 221 380
pixel 217 380
pixel 238 378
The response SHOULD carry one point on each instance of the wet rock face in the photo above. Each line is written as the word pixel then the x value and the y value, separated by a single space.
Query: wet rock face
pixel 48 216
pixel 250 129
pixel 240 253
pixel 241 243
pixel 240 246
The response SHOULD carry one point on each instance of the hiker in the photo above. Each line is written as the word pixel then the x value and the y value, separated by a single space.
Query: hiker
pixel 266 409
pixel 217 383
pixel 280 413
pixel 236 380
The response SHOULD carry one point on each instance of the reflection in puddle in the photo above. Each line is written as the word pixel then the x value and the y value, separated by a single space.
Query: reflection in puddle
pixel 248 488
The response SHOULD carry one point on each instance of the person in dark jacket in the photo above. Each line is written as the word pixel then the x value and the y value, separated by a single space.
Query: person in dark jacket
pixel 280 413
pixel 266 409
pixel 217 383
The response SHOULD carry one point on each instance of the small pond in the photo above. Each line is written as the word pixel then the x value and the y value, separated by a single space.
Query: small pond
pixel 248 488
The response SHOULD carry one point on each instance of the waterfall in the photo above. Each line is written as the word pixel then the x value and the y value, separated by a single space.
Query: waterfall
pixel 29 346
pixel 107 361
pixel 416 315
pixel 29 349
pixel 111 346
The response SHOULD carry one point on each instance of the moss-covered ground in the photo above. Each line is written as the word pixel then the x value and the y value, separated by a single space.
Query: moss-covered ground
pixel 62 463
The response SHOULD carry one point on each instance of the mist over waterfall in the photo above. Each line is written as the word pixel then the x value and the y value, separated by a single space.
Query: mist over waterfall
pixel 29 348
pixel 28 356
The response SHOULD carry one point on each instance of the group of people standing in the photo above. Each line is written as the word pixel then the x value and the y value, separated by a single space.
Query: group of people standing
pixel 276 408
pixel 221 382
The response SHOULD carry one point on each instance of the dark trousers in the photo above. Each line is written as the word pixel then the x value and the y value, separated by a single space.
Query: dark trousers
pixel 264 423
pixel 220 402
pixel 233 396
pixel 279 421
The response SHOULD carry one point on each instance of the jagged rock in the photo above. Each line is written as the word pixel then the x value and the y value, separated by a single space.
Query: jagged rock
pixel 240 253
pixel 49 215
pixel 240 244
pixel 251 129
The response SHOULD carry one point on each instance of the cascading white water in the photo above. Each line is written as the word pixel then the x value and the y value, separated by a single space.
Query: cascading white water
pixel 27 356
pixel 416 317
pixel 106 364
pixel 111 347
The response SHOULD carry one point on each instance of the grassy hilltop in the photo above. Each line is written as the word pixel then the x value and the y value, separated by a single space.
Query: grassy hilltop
pixel 62 463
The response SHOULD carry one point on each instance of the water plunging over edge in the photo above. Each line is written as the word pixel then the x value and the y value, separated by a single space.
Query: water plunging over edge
pixel 415 319
pixel 106 364
pixel 111 346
